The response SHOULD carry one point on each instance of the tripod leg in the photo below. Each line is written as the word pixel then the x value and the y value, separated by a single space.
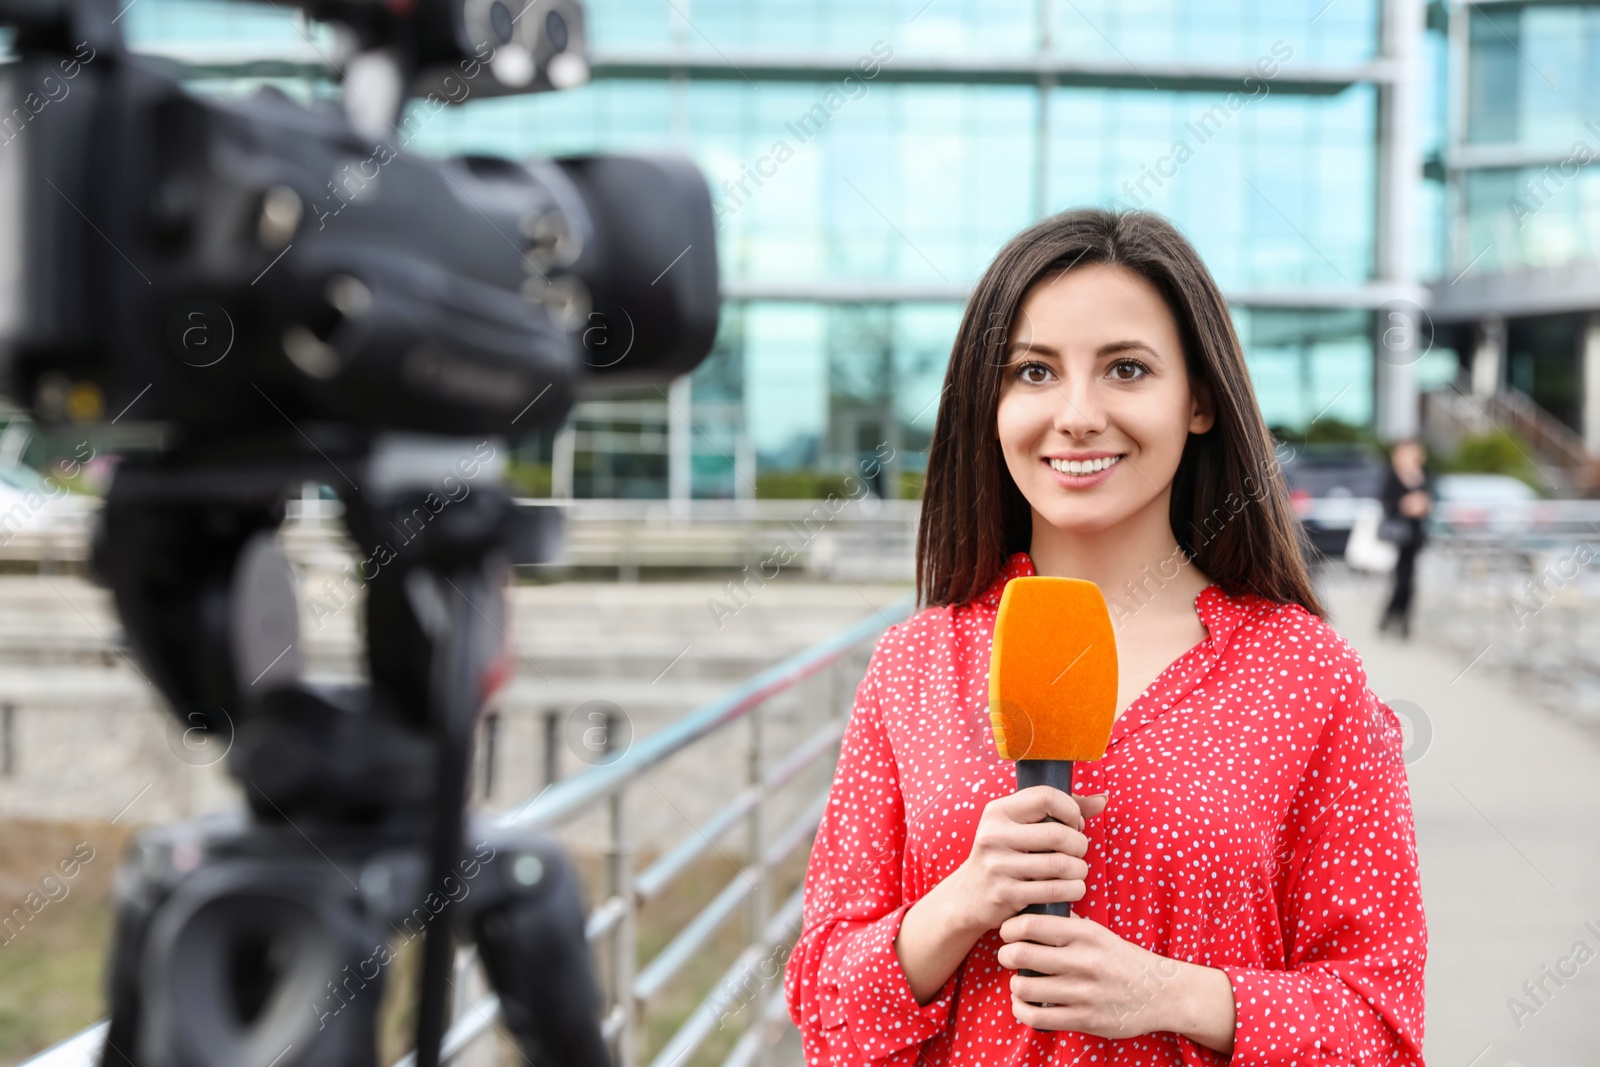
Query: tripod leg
pixel 528 921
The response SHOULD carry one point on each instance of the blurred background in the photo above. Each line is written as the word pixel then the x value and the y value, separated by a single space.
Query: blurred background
pixel 1396 198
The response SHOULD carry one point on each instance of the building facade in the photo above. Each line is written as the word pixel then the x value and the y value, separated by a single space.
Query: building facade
pixel 1518 296
pixel 1349 169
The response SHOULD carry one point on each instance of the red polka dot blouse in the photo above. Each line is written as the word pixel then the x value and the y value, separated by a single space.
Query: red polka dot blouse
pixel 1259 822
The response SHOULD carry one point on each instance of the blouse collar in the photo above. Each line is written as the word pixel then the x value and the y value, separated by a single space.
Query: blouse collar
pixel 1219 612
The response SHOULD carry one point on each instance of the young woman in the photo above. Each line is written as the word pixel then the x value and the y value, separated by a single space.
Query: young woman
pixel 1242 861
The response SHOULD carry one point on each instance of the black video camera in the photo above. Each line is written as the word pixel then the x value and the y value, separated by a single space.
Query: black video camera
pixel 222 266
pixel 290 296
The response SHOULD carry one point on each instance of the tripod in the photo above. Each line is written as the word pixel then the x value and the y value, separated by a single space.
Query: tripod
pixel 262 939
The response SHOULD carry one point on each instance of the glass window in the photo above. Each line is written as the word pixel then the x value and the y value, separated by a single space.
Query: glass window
pixel 1134 30
pixel 826 387
pixel 925 183
pixel 1219 30
pixel 1533 217
pixel 1543 357
pixel 923 335
pixel 1275 191
pixel 1533 74
pixel 1309 364
pixel 786 383
pixel 217 29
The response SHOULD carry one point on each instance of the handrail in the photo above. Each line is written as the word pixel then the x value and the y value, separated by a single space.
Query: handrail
pixel 567 800
pixel 655 878
pixel 1546 432
pixel 695 1028
pixel 613 917
pixel 671 959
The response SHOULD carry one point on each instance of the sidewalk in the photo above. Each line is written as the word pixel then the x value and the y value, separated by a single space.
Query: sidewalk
pixel 1507 801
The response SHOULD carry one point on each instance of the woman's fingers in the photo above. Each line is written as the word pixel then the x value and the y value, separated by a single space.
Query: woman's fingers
pixel 1039 837
pixel 1027 956
pixel 1029 849
pixel 1010 895
pixel 1040 802
pixel 1056 930
pixel 1091 806
pixel 1054 891
pixel 1040 866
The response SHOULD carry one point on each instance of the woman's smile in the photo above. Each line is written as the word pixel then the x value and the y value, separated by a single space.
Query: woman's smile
pixel 1082 474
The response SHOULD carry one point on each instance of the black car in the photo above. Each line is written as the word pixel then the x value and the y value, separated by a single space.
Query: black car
pixel 1327 485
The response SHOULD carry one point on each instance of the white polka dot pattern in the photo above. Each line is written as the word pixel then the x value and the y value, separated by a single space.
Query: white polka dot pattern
pixel 1259 822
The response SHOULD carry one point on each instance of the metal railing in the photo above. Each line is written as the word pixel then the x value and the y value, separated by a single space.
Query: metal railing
pixel 1528 608
pixel 612 925
pixel 631 984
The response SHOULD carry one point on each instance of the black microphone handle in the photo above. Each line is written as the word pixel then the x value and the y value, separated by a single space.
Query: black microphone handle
pixel 1056 772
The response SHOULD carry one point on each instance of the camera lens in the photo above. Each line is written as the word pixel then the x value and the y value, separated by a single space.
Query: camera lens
pixel 555 28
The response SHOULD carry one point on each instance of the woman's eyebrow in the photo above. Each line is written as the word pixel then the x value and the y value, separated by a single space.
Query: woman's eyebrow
pixel 1109 349
pixel 1127 346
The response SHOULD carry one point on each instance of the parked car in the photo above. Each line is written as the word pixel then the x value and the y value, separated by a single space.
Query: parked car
pixel 1327 485
pixel 1486 503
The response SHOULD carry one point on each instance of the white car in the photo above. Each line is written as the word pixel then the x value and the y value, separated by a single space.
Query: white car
pixel 1485 503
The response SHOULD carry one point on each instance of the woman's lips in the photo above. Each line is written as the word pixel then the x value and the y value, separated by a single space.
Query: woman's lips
pixel 1081 481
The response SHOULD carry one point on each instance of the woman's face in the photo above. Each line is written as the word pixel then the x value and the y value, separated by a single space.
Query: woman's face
pixel 1095 405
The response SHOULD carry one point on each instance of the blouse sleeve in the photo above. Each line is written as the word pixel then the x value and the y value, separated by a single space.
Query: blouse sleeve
pixel 1352 914
pixel 846 990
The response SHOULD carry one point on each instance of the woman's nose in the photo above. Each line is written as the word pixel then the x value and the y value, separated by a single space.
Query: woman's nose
pixel 1079 411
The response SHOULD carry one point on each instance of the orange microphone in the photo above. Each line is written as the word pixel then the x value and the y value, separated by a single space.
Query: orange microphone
pixel 1052 683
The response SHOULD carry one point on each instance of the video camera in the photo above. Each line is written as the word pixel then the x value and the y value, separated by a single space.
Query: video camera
pixel 291 297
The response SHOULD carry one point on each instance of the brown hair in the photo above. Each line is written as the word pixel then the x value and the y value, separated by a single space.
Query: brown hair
pixel 974 516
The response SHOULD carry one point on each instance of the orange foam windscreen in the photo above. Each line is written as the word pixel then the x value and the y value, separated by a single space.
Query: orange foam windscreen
pixel 1053 671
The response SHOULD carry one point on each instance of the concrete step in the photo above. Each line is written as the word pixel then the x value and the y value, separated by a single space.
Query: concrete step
pixel 90 739
pixel 637 632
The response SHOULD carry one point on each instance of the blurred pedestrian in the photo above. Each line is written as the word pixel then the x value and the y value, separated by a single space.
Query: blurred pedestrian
pixel 1407 497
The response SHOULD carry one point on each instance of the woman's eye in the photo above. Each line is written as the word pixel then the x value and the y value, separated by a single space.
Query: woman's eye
pixel 1027 370
pixel 1140 368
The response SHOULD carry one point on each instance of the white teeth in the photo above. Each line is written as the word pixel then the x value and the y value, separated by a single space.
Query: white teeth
pixel 1088 466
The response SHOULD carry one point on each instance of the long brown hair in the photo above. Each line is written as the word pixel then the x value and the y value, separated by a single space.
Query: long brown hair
pixel 1230 503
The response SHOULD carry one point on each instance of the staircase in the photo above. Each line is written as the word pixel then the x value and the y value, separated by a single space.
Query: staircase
pixel 1448 415
pixel 83 734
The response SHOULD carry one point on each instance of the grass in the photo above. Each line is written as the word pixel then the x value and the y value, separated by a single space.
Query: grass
pixel 51 972
pixel 50 969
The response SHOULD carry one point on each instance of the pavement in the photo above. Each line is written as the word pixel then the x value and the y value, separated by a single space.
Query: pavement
pixel 1507 799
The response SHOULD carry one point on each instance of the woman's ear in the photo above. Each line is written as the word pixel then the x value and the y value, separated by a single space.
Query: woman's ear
pixel 1203 414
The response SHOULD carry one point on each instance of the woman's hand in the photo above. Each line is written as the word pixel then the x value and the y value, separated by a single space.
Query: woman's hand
pixel 1018 858
pixel 1094 982
pixel 1414 505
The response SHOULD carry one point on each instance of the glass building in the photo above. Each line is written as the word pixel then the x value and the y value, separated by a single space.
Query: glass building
pixel 1519 295
pixel 869 157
